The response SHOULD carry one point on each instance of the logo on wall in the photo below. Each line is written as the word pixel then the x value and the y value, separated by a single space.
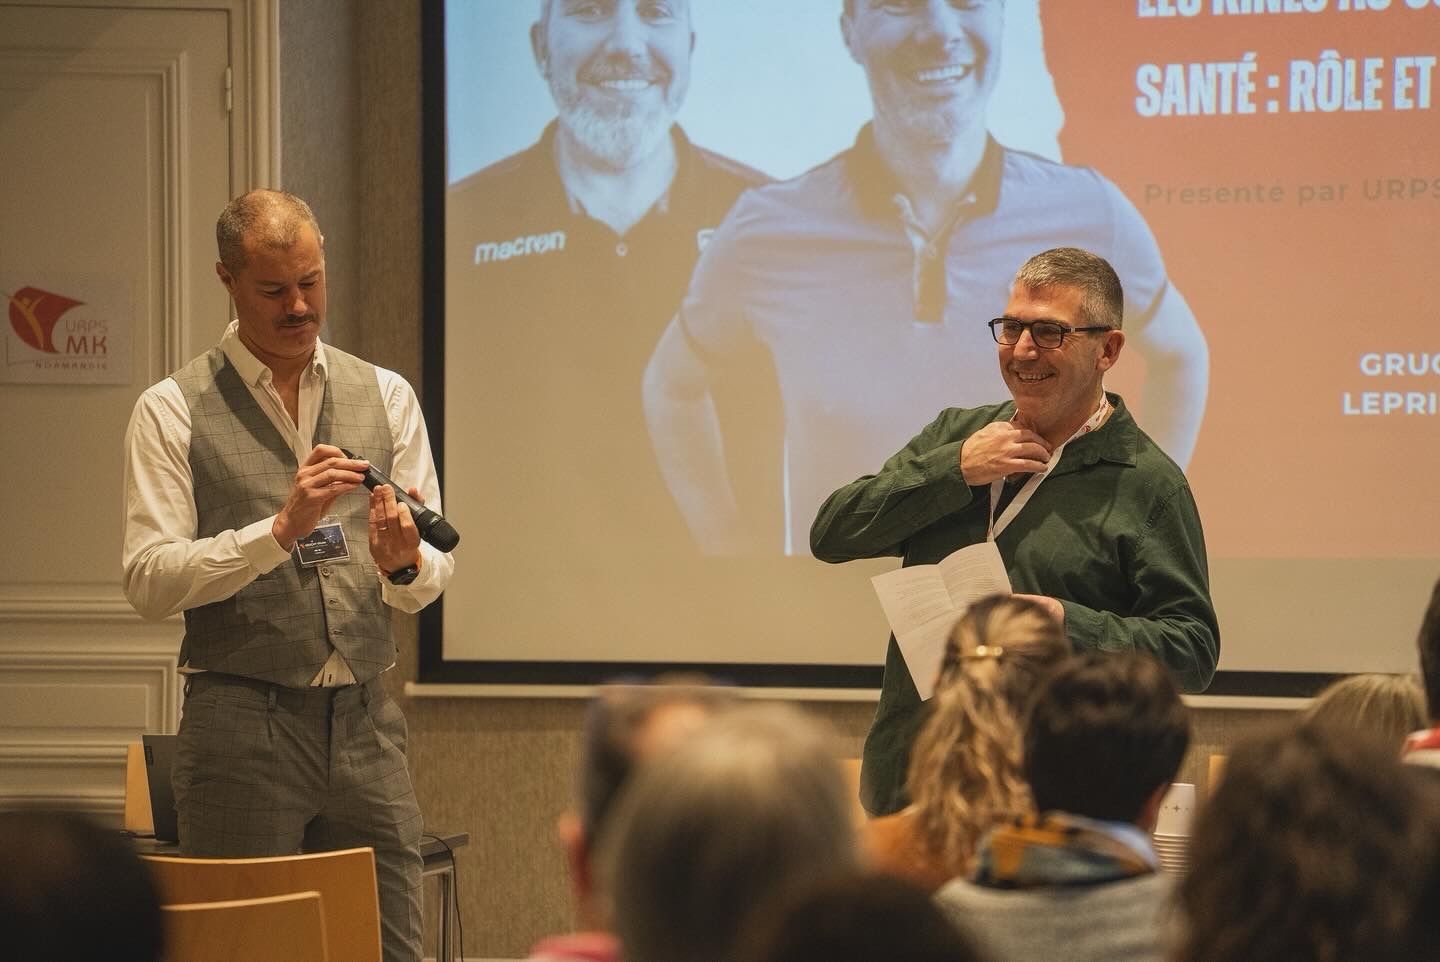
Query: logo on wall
pixel 33 314
pixel 67 330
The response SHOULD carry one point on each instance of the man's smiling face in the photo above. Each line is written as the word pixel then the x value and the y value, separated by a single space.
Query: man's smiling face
pixel 1055 386
pixel 931 64
pixel 618 70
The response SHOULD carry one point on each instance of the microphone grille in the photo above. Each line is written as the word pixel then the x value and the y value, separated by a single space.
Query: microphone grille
pixel 442 534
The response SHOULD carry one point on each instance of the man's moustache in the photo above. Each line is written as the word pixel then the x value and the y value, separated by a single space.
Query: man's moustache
pixel 622 70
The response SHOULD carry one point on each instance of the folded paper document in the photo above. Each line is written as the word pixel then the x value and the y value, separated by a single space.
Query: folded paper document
pixel 923 602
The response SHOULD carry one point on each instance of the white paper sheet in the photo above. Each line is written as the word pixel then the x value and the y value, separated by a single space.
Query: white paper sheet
pixel 923 602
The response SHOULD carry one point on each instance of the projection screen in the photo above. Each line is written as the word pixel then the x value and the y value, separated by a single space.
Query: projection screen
pixel 1267 171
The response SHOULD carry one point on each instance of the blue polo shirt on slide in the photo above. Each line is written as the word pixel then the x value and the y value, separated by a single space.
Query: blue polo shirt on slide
pixel 872 329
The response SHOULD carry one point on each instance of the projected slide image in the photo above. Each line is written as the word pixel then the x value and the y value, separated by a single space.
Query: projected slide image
pixel 708 260
pixel 1290 164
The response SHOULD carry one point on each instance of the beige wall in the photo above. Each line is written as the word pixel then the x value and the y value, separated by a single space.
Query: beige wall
pixel 500 769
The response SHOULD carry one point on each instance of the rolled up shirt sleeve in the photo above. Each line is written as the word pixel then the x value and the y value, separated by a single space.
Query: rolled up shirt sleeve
pixel 166 569
pixel 413 466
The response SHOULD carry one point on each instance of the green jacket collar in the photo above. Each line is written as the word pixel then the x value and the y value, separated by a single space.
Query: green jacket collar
pixel 1115 441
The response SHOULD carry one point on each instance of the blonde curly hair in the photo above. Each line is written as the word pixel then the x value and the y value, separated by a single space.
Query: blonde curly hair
pixel 965 771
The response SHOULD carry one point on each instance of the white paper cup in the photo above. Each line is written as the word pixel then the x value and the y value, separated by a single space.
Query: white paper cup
pixel 1177 809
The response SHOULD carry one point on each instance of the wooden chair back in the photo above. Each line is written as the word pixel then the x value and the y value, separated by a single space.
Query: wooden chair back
pixel 277 928
pixel 137 792
pixel 345 879
pixel 1215 773
pixel 851 768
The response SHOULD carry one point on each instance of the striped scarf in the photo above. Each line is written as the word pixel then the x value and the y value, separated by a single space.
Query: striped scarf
pixel 1054 849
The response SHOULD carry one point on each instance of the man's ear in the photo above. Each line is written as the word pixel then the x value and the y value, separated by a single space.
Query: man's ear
pixel 1110 350
pixel 846 26
pixel 539 50
pixel 225 278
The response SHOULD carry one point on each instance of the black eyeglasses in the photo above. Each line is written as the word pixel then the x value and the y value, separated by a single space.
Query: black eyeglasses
pixel 1046 334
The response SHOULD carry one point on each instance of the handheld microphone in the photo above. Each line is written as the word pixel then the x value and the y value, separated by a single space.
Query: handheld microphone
pixel 433 529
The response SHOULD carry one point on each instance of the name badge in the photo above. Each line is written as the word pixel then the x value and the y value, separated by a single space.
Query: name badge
pixel 325 543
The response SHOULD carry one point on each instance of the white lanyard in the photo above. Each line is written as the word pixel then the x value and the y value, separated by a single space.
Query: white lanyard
pixel 1026 492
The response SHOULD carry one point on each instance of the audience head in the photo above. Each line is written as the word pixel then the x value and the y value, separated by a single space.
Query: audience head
pixel 964 771
pixel 1429 644
pixel 71 889
pixel 629 723
pixel 1105 737
pixel 747 806
pixel 856 918
pixel 1318 846
pixel 626 725
pixel 1389 706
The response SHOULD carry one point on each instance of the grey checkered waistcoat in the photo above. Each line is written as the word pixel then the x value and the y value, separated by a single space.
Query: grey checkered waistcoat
pixel 281 627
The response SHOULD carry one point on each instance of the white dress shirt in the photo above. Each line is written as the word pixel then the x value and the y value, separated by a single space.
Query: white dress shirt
pixel 168 569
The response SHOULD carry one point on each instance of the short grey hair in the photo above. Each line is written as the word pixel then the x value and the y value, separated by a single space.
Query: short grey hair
pixel 1102 299
pixel 751 803
pixel 271 218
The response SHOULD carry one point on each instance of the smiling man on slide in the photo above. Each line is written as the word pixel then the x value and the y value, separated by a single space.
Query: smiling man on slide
pixel 1092 519
pixel 565 262
pixel 864 280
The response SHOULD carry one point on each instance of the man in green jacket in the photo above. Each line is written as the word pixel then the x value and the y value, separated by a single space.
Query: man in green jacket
pixel 1092 519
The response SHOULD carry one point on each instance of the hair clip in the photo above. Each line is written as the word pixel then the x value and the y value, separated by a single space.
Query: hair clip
pixel 985 651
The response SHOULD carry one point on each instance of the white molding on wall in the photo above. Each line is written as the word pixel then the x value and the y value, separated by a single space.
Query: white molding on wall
pixel 78 659
pixel 61 755
pixel 83 771
pixel 167 68
pixel 261 124
pixel 255 58
pixel 93 801
pixel 154 669
pixel 57 602
pixel 106 807
pixel 174 257
pixel 96 767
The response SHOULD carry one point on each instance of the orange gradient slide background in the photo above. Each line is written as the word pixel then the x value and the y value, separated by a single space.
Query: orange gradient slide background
pixel 1290 293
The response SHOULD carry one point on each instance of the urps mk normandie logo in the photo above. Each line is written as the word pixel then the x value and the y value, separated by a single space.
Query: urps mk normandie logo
pixel 35 313
pixel 80 336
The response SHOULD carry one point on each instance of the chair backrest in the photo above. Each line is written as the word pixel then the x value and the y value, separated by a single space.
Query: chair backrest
pixel 137 792
pixel 277 928
pixel 346 880
pixel 851 768
pixel 1216 772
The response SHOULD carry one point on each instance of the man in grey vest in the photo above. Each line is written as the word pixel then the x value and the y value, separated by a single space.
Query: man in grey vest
pixel 243 512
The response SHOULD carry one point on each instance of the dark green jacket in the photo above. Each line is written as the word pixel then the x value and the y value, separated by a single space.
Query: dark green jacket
pixel 1112 532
